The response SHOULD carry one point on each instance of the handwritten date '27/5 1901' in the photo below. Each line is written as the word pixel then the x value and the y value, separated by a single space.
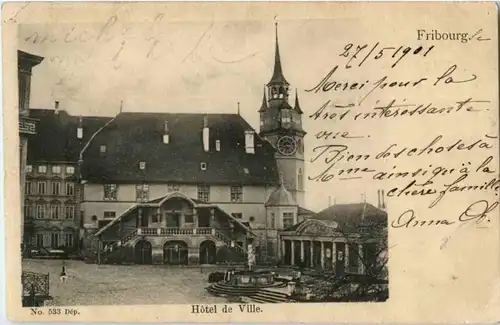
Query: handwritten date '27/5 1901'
pixel 362 53
pixel 476 212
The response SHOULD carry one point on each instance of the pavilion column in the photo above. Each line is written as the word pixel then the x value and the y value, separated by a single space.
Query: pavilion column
pixel 361 259
pixel 334 254
pixel 302 258
pixel 195 218
pixel 293 252
pixel 311 250
pixel 322 255
pixel 283 249
pixel 346 257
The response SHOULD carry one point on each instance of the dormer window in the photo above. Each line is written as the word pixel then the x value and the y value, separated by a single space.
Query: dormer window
pixel 142 165
pixel 246 171
pixel 102 149
pixel 217 145
pixel 203 166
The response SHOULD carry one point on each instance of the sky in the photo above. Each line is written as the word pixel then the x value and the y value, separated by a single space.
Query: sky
pixel 159 65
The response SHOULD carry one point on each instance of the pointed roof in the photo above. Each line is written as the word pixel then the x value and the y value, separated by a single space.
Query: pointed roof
pixel 278 70
pixel 297 105
pixel 263 107
pixel 281 197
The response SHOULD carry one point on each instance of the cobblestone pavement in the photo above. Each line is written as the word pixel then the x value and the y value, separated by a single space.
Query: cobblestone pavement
pixel 90 284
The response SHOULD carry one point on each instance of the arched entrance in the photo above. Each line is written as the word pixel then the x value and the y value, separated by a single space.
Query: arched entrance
pixel 143 252
pixel 208 252
pixel 175 252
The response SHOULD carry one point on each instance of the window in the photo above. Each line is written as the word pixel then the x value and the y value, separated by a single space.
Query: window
pixel 109 214
pixel 110 192
pixel 68 239
pixel 273 221
pixel 54 240
pixel 246 171
pixel 287 219
pixel 55 188
pixel 42 187
pixel 102 149
pixel 203 166
pixel 70 170
pixel 56 169
pixel 54 211
pixel 217 145
pixel 237 215
pixel 29 168
pixel 42 169
pixel 142 192
pixel 173 188
pixel 28 188
pixel 204 193
pixel 236 193
pixel 70 189
pixel 300 180
pixel 39 240
pixel 28 210
pixel 285 116
pixel 69 212
pixel 40 211
pixel 188 218
pixel 142 165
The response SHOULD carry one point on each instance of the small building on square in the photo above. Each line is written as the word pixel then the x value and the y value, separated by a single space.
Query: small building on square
pixel 344 238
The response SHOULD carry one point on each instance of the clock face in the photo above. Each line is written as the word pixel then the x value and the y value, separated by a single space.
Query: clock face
pixel 287 145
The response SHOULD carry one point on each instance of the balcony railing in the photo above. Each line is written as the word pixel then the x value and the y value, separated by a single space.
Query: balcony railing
pixel 175 231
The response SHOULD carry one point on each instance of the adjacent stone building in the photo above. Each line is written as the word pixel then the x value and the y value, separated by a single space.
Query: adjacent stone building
pixel 27 127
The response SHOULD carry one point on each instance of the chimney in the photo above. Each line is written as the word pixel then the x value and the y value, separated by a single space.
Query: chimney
pixel 56 107
pixel 166 135
pixel 382 199
pixel 379 204
pixel 79 130
pixel 206 134
pixel 250 141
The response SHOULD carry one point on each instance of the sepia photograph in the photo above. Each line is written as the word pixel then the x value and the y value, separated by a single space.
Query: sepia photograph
pixel 177 207
pixel 217 162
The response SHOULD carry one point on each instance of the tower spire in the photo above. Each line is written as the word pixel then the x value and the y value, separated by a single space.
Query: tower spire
pixel 263 107
pixel 278 71
pixel 297 105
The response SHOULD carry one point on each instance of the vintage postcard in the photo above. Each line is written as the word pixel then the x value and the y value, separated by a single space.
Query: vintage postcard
pixel 252 162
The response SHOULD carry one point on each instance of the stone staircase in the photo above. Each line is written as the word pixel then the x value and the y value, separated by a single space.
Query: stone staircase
pixel 254 294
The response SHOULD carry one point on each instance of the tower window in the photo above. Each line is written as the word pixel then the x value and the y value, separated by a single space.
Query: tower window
pixel 300 180
pixel 287 219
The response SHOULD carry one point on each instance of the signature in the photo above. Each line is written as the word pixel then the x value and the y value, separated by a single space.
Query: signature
pixel 476 212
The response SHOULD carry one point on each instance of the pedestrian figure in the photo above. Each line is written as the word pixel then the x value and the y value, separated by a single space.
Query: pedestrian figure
pixel 64 275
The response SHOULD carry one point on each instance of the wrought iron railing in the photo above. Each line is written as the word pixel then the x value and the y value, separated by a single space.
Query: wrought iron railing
pixel 35 284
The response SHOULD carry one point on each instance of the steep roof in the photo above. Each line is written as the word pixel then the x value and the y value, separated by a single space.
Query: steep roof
pixel 56 139
pixel 138 137
pixel 281 197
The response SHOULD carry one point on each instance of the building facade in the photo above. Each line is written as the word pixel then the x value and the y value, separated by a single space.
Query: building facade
pixel 51 191
pixel 27 126
pixel 145 180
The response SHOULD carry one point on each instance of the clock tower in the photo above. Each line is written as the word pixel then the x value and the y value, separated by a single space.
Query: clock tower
pixel 281 125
